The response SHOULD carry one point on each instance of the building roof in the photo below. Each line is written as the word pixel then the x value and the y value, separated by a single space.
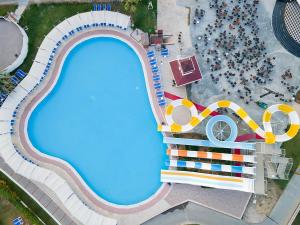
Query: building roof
pixel 185 70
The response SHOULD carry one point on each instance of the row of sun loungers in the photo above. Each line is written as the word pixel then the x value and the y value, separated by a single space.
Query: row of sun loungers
pixel 19 75
pixel 156 78
pixel 99 7
pixel 26 84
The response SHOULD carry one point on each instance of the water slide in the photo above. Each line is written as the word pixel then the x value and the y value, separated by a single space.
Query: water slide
pixel 197 118
pixel 198 106
pixel 207 143
pixel 208 180
pixel 211 155
pixel 210 166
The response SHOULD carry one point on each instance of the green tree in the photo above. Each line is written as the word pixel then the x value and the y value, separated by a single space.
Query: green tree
pixel 131 5
pixel 5 85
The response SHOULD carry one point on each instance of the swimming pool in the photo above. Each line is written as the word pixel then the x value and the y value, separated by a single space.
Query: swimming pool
pixel 98 119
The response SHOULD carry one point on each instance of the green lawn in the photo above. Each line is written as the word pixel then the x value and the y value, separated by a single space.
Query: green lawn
pixel 40 19
pixel 145 19
pixel 292 151
pixel 297 220
pixel 8 212
pixel 4 9
pixel 12 193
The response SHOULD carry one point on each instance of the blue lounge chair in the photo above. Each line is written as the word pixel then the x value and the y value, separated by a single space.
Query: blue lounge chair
pixel 156 79
pixel 21 71
pixel 150 54
pixel 18 221
pixel 94 7
pixel 153 62
pixel 162 102
pixel 108 7
pixel 19 75
pixel 164 52
pixel 157 85
pixel 99 7
pixel 154 70
pixel 159 94
pixel 14 80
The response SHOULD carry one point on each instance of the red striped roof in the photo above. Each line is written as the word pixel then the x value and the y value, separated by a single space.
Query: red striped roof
pixel 185 70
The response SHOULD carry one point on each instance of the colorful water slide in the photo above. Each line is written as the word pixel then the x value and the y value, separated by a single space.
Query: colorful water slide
pixel 210 166
pixel 207 143
pixel 208 180
pixel 198 106
pixel 266 133
pixel 211 155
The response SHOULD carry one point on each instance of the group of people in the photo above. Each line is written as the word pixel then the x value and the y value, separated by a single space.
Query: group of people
pixel 233 50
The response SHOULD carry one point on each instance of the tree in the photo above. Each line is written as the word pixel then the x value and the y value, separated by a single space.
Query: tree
pixel 131 5
pixel 5 85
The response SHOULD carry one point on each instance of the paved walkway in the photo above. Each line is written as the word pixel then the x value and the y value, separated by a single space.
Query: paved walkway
pixel 39 195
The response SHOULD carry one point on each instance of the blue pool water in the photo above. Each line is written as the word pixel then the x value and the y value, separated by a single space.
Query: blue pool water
pixel 98 119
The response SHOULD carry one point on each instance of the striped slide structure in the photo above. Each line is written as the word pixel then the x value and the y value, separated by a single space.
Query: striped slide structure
pixel 208 180
pixel 210 167
pixel 212 155
pixel 266 133
pixel 208 143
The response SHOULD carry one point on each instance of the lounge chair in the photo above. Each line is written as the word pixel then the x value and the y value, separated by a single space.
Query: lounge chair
pixel 157 85
pixel 156 78
pixel 159 94
pixel 154 70
pixel 104 7
pixel 150 54
pixel 164 52
pixel 19 75
pixel 99 7
pixel 108 7
pixel 14 80
pixel 94 7
pixel 153 62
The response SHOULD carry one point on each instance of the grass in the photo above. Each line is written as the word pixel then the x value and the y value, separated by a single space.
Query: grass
pixel 8 212
pixel 145 19
pixel 297 220
pixel 40 19
pixel 12 193
pixel 4 9
pixel 292 151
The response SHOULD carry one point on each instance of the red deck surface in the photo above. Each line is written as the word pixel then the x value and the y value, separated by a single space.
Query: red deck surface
pixel 185 71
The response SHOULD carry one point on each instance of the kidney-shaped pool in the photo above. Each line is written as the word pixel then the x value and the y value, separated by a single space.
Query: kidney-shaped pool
pixel 98 119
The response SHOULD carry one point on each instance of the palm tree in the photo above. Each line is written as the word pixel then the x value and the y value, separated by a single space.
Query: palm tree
pixel 5 84
pixel 131 5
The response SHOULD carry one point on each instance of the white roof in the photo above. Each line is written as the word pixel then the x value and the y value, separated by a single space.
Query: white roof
pixel 4 127
pixel 64 27
pixel 55 35
pixel 64 192
pixel 75 21
pixel 26 169
pixel 7 152
pixel 36 70
pixel 40 174
pixel 42 57
pixel 48 45
pixel 28 83
pixel 15 161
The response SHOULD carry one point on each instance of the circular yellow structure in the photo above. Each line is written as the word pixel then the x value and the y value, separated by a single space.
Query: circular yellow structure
pixel 197 118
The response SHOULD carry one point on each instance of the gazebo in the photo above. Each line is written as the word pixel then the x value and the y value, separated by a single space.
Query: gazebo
pixel 185 70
